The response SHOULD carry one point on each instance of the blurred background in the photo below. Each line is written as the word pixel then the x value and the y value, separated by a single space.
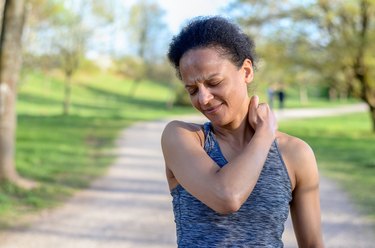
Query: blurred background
pixel 75 73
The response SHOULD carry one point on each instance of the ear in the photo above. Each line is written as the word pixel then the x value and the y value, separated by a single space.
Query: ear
pixel 247 66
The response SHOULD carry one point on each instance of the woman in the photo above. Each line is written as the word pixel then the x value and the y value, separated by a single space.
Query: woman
pixel 234 178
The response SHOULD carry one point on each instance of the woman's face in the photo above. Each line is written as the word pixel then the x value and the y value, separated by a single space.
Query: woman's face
pixel 217 88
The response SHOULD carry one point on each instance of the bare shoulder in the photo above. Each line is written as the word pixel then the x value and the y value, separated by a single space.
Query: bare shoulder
pixel 184 156
pixel 294 146
pixel 298 157
pixel 176 131
pixel 181 125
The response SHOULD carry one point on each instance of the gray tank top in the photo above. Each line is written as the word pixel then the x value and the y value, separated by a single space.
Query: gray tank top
pixel 258 223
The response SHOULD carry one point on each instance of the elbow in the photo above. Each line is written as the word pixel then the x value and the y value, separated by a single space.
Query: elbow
pixel 227 210
pixel 228 204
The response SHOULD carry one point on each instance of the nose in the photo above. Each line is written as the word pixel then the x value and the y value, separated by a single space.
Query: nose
pixel 204 96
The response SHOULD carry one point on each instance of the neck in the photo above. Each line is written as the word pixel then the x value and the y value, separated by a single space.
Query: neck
pixel 238 132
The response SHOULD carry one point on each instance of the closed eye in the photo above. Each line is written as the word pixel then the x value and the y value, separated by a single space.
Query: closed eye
pixel 191 90
pixel 214 83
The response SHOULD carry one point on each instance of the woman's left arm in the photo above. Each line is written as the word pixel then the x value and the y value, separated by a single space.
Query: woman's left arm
pixel 305 206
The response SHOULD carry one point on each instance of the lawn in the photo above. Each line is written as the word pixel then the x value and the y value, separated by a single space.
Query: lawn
pixel 345 151
pixel 65 153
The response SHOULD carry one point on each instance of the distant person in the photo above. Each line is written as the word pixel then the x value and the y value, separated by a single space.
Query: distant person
pixel 281 98
pixel 270 95
pixel 234 178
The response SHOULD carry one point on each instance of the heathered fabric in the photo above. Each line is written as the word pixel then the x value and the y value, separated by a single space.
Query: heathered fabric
pixel 258 223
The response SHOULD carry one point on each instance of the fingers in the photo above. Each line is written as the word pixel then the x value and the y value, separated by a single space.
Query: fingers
pixel 254 102
pixel 260 115
pixel 252 118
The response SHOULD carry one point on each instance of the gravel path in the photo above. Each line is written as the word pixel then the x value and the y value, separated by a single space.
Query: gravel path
pixel 131 205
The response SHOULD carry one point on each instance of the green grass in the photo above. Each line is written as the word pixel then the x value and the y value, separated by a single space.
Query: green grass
pixel 65 153
pixel 345 151
pixel 315 103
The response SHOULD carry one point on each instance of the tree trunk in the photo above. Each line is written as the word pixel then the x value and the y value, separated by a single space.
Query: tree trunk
pixel 303 97
pixel 361 69
pixel 67 95
pixel 332 94
pixel 10 65
pixel 2 4
pixel 134 87
pixel 368 91
pixel 372 111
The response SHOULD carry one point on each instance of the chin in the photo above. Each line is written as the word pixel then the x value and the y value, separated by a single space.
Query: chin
pixel 216 120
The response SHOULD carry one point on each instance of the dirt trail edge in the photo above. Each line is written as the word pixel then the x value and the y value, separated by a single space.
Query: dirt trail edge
pixel 131 206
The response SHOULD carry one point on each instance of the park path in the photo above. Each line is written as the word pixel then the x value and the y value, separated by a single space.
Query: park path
pixel 131 207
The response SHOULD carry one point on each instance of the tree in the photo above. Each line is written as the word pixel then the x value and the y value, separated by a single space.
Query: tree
pixel 338 39
pixel 146 28
pixel 70 50
pixel 39 53
pixel 71 25
pixel 61 32
pixel 10 63
pixel 363 65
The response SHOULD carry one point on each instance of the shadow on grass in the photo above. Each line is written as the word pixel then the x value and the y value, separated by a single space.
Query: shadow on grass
pixel 123 98
pixel 98 99
pixel 39 99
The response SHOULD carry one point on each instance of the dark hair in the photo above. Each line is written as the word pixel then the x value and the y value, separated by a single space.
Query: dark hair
pixel 217 32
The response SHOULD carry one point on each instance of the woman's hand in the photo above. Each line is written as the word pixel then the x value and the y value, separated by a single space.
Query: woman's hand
pixel 261 117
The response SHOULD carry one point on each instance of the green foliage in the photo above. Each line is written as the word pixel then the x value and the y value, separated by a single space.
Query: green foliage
pixel 345 150
pixel 322 43
pixel 65 153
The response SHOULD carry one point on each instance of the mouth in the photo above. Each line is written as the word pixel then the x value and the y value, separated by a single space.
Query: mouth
pixel 212 110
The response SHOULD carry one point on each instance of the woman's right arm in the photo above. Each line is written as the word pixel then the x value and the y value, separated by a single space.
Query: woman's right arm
pixel 222 189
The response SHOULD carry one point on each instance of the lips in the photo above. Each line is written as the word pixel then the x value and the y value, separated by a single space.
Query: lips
pixel 212 110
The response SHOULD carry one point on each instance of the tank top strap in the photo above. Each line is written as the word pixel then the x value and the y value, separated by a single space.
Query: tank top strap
pixel 211 146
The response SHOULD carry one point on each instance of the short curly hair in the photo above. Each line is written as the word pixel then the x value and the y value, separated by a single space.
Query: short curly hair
pixel 217 32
